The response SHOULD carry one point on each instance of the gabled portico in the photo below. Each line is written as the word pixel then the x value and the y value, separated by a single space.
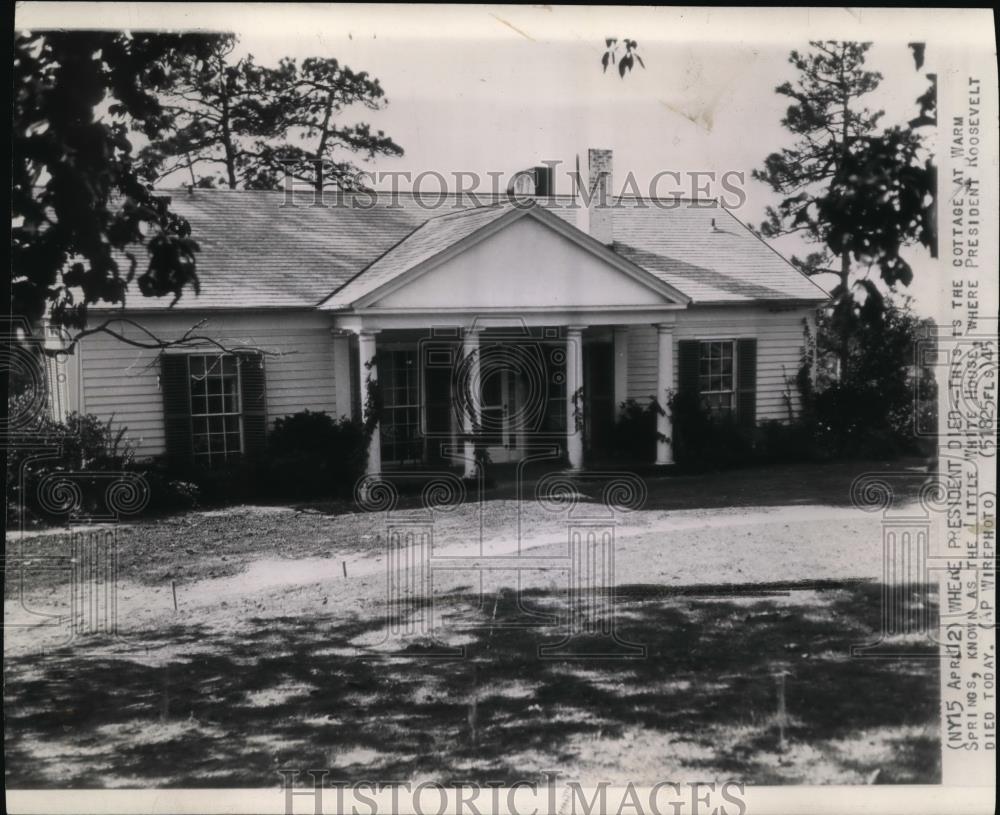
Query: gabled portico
pixel 491 312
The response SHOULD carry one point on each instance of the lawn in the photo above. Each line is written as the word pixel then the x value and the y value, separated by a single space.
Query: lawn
pixel 746 618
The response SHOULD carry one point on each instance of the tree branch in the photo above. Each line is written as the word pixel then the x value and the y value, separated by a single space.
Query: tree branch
pixel 187 339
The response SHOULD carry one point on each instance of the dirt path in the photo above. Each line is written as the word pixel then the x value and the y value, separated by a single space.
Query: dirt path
pixel 678 548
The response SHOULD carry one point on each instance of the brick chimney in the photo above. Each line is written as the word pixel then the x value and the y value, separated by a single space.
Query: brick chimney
pixel 600 182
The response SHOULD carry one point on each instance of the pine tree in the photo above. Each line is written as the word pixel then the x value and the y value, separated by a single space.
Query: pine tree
pixel 255 124
pixel 311 98
pixel 861 193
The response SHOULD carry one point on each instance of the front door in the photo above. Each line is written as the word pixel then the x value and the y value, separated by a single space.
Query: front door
pixel 498 407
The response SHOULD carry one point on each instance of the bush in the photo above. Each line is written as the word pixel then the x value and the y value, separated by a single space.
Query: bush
pixel 883 402
pixel 314 455
pixel 850 421
pixel 168 494
pixel 706 442
pixel 779 442
pixel 84 446
pixel 636 436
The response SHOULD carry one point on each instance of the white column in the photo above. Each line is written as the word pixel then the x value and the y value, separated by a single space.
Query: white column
pixel 664 385
pixel 369 372
pixel 574 409
pixel 56 366
pixel 471 400
pixel 620 352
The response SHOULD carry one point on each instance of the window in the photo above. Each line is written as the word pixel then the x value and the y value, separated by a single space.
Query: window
pixel 216 412
pixel 722 375
pixel 398 376
pixel 717 376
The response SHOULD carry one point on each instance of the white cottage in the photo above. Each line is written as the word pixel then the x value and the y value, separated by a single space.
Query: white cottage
pixel 524 327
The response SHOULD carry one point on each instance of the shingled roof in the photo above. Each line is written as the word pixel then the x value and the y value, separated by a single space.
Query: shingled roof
pixel 258 252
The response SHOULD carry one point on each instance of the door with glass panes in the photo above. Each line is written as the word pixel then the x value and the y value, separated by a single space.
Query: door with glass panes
pixel 501 392
pixel 399 382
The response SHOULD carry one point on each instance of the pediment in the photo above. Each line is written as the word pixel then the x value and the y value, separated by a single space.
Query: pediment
pixel 528 262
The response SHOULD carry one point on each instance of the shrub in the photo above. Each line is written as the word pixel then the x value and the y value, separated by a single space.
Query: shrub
pixel 883 401
pixel 313 455
pixel 706 442
pixel 83 445
pixel 851 421
pixel 168 494
pixel 778 442
pixel 636 436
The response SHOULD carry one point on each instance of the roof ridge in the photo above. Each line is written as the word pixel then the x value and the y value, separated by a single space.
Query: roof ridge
pixel 463 212
pixel 498 197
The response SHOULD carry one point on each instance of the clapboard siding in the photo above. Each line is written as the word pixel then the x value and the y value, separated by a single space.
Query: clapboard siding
pixel 122 382
pixel 780 341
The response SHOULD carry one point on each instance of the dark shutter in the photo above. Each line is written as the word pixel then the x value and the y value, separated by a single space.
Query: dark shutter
pixel 687 366
pixel 175 383
pixel 253 396
pixel 746 383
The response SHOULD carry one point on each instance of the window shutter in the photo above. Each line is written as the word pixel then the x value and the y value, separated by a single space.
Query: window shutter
pixel 746 383
pixel 254 402
pixel 687 366
pixel 175 384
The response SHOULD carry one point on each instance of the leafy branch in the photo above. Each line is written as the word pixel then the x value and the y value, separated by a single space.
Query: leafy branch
pixel 624 54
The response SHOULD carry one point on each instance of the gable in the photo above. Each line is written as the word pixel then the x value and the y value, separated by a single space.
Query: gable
pixel 525 265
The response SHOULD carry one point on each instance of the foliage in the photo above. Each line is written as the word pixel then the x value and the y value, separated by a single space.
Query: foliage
pixel 212 103
pixel 626 61
pixel 167 495
pixel 83 444
pixel 882 393
pixel 373 407
pixel 79 207
pixel 313 455
pixel 90 448
pixel 576 398
pixel 704 441
pixel 636 435
pixel 861 194
pixel 248 121
pixel 310 97
pixel 777 442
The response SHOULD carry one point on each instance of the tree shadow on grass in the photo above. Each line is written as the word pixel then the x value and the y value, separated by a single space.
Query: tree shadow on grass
pixel 195 708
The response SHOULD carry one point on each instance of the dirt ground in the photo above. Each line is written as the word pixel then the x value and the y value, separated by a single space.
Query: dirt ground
pixel 291 647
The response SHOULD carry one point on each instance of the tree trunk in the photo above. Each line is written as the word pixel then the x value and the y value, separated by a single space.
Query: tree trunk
pixel 845 255
pixel 321 149
pixel 227 134
pixel 845 280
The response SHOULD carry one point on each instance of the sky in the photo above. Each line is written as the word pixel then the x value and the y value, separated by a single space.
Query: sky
pixel 482 89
